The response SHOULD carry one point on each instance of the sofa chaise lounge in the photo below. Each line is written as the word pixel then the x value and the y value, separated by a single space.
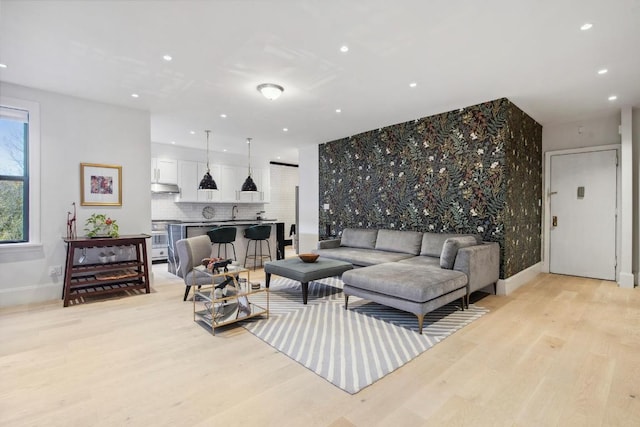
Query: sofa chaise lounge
pixel 413 271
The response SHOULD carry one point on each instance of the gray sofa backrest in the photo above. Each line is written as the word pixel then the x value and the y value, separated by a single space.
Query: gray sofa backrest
pixel 432 242
pixel 407 242
pixel 359 238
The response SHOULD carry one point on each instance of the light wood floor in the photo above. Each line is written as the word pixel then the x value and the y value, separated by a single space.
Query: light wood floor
pixel 560 351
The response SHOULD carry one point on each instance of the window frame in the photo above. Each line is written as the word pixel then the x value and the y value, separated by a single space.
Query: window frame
pixel 34 241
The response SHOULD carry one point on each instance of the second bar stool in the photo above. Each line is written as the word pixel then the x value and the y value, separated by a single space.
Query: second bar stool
pixel 223 236
pixel 257 234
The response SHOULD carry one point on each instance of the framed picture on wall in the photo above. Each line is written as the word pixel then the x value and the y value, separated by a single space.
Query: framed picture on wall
pixel 100 185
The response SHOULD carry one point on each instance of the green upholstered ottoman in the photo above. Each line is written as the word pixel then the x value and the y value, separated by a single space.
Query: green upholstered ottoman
pixel 303 272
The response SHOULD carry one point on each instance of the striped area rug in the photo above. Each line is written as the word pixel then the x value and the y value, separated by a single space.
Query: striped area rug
pixel 355 348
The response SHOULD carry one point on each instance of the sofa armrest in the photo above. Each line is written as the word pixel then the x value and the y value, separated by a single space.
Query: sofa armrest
pixel 329 244
pixel 481 264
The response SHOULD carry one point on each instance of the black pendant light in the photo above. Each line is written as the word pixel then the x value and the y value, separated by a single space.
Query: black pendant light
pixel 207 182
pixel 249 185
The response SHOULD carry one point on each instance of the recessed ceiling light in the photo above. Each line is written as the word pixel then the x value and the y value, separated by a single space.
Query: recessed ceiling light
pixel 167 58
pixel 192 132
pixel 413 84
pixel 586 26
pixel 285 129
pixel 135 95
pixel 3 65
pixel 224 116
pixel 278 157
pixel 173 142
pixel 224 149
pixel 613 98
pixel 603 71
pixel 338 110
pixel 344 48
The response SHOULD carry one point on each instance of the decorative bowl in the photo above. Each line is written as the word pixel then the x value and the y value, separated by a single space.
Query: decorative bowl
pixel 308 257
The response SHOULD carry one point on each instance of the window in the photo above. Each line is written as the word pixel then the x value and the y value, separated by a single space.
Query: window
pixel 14 175
pixel 19 173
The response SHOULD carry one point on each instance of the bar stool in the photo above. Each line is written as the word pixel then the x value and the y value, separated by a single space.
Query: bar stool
pixel 223 236
pixel 257 234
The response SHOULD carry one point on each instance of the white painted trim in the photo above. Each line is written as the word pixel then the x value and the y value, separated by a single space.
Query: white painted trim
pixel 34 167
pixel 625 210
pixel 7 251
pixel 626 280
pixel 546 220
pixel 31 294
pixel 510 284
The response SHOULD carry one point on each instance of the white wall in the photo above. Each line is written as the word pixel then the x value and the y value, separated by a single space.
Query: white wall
pixel 308 160
pixel 284 180
pixel 74 131
pixel 200 155
pixel 587 133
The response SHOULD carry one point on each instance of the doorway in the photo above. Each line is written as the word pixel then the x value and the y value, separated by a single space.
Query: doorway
pixel 582 200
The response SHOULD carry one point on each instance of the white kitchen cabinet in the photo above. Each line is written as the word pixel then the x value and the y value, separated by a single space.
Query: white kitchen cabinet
pixel 229 183
pixel 261 177
pixel 164 171
pixel 212 195
pixel 190 175
pixel 265 188
pixel 188 181
pixel 229 180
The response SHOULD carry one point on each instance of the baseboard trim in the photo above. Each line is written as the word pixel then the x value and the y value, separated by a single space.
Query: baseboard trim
pixel 510 284
pixel 30 294
pixel 626 280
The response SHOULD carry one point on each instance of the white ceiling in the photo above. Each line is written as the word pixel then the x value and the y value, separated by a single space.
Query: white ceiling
pixel 460 52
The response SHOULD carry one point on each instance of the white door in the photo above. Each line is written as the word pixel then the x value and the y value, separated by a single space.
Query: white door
pixel 583 214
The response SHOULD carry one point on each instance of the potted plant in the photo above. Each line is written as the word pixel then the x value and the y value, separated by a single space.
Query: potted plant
pixel 100 225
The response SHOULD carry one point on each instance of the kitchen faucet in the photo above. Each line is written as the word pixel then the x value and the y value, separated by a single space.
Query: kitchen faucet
pixel 234 211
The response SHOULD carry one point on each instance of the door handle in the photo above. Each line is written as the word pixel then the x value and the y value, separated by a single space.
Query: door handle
pixel 554 221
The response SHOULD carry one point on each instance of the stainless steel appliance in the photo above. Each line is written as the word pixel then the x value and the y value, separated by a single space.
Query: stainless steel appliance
pixel 159 240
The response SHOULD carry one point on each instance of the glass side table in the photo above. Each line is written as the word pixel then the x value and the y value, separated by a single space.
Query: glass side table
pixel 230 301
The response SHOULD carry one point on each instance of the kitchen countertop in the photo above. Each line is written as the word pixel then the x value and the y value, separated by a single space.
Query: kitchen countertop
pixel 225 222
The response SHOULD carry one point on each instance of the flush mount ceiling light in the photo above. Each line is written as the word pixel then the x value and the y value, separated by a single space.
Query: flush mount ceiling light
pixel 270 91
pixel 248 184
pixel 586 26
pixel 207 182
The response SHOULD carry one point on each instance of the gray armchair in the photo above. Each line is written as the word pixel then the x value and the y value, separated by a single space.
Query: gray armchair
pixel 191 251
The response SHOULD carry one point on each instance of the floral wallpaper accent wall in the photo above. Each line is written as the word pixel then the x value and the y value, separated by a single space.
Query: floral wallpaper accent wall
pixel 473 170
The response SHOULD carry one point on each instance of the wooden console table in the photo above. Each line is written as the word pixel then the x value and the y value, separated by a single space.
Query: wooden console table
pixel 81 280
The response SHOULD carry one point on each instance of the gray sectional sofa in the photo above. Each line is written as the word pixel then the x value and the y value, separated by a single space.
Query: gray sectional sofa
pixel 413 271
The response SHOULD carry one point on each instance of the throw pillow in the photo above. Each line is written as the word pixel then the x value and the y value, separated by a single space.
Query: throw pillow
pixel 450 249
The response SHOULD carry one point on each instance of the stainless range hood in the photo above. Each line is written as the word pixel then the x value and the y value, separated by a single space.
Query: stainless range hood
pixel 164 188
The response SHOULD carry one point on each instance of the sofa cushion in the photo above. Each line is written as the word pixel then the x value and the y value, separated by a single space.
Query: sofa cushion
pixel 416 284
pixel 361 257
pixel 450 249
pixel 422 261
pixel 399 241
pixel 432 242
pixel 359 238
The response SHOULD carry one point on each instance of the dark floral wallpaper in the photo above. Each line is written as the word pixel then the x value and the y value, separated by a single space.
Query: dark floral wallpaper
pixel 472 170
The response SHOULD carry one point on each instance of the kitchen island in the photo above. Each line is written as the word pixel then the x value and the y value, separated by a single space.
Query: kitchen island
pixel 182 230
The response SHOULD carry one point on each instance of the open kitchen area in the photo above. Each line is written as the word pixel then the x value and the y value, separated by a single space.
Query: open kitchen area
pixel 179 209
